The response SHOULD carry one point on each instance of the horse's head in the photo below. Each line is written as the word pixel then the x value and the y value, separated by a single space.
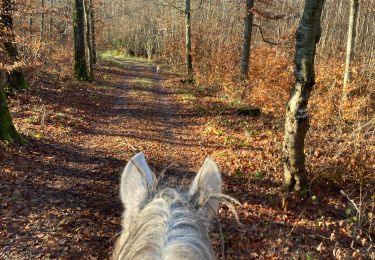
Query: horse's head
pixel 166 224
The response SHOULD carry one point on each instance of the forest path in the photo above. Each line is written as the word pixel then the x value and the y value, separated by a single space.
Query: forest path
pixel 152 117
pixel 60 192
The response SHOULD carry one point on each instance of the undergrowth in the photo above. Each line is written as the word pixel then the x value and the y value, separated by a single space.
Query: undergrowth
pixel 340 143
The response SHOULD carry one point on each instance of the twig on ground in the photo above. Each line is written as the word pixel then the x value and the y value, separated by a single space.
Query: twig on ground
pixel 295 224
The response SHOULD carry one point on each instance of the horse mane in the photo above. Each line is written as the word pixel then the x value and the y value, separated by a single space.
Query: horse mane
pixel 168 227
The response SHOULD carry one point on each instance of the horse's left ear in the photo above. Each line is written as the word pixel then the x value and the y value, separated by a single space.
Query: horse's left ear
pixel 136 182
pixel 207 183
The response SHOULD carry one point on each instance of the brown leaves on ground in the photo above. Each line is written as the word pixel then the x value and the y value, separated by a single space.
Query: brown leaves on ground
pixel 59 192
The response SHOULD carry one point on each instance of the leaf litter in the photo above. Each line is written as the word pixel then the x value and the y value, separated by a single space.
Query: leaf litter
pixel 59 192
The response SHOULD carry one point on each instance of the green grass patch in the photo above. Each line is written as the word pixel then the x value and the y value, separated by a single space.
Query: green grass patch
pixel 259 175
pixel 142 82
pixel 188 97
pixel 112 53
pixel 36 136
pixel 121 55
pixel 32 120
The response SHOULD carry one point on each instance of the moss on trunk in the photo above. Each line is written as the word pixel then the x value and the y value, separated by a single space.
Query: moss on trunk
pixel 16 80
pixel 8 132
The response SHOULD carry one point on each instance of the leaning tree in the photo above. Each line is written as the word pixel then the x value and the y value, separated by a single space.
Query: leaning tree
pixel 297 117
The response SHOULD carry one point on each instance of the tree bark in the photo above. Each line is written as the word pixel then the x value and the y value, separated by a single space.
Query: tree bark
pixel 87 10
pixel 31 25
pixel 93 33
pixel 297 117
pixel 80 66
pixel 246 45
pixel 42 22
pixel 352 32
pixel 7 130
pixel 188 57
pixel 15 78
pixel 50 23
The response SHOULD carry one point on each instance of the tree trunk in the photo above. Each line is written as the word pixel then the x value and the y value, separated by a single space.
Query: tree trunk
pixel 50 21
pixel 7 130
pixel 246 45
pixel 188 58
pixel 297 117
pixel 15 78
pixel 87 10
pixel 80 66
pixel 31 26
pixel 352 31
pixel 93 32
pixel 42 22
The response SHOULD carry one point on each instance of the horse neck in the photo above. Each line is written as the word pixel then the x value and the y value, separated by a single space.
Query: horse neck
pixel 165 229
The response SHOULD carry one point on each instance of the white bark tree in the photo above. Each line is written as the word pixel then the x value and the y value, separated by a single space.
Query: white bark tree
pixel 352 33
pixel 297 117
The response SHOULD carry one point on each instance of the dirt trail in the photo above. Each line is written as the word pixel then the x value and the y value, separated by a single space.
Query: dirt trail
pixel 151 118
pixel 59 193
pixel 60 196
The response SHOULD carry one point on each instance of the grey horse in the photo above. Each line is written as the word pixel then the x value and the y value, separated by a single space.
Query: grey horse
pixel 167 224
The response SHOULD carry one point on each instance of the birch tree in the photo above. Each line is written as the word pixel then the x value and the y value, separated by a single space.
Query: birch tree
pixel 89 54
pixel 297 117
pixel 352 32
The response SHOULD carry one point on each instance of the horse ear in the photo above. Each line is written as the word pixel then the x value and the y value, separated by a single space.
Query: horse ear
pixel 136 182
pixel 207 183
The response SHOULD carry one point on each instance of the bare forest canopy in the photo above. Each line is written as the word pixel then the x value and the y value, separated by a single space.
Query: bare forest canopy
pixel 138 26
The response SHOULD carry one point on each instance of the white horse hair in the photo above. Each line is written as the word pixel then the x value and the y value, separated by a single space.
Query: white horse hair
pixel 166 224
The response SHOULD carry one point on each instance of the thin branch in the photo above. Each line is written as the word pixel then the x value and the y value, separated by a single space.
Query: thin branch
pixel 265 40
pixel 295 224
pixel 270 16
pixel 174 6
pixel 181 10
pixel 198 7
pixel 352 201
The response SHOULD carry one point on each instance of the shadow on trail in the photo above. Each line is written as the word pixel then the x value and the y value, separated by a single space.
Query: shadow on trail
pixel 64 193
pixel 63 186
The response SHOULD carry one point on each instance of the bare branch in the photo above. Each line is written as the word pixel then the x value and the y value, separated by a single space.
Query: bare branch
pixel 174 6
pixel 261 34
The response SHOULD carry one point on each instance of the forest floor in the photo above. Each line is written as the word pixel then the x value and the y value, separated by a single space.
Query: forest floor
pixel 59 192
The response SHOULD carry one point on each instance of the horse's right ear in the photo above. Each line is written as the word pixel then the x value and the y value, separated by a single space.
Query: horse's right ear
pixel 206 184
pixel 136 182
